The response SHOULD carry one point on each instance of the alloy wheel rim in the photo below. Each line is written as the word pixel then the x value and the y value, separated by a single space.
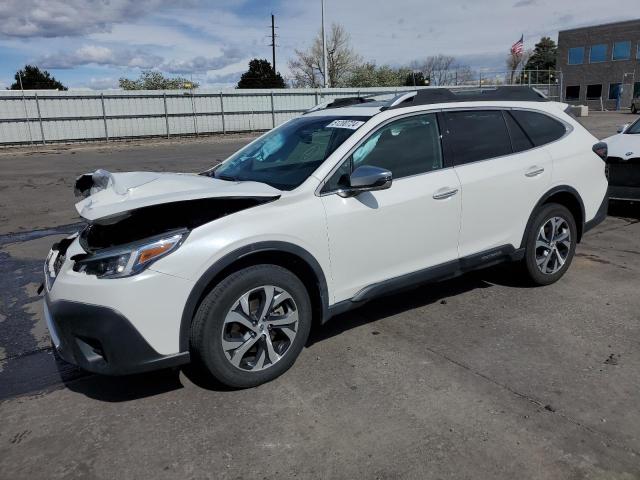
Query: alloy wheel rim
pixel 260 328
pixel 553 245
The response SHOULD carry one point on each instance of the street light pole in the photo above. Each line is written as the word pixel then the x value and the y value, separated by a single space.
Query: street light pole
pixel 324 50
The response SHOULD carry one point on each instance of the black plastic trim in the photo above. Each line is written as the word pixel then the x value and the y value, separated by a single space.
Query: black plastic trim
pixel 601 214
pixel 440 272
pixel 430 96
pixel 543 199
pixel 201 286
pixel 101 340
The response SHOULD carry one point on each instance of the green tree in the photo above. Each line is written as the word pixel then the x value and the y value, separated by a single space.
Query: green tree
pixel 35 79
pixel 261 75
pixel 543 58
pixel 416 78
pixel 150 80
pixel 370 75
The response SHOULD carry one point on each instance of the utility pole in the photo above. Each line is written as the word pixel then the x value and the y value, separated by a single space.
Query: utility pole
pixel 324 49
pixel 273 42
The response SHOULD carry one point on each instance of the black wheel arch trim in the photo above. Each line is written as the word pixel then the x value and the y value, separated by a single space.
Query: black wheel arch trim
pixel 201 285
pixel 543 199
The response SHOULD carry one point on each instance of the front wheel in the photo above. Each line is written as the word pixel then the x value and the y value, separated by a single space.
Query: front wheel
pixel 551 244
pixel 252 326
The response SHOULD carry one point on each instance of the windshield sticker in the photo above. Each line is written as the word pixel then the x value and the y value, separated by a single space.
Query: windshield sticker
pixel 350 124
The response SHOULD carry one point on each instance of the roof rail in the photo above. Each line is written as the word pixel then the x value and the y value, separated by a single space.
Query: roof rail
pixel 445 95
pixel 339 102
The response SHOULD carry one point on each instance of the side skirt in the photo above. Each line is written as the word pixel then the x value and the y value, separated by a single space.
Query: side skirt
pixel 436 273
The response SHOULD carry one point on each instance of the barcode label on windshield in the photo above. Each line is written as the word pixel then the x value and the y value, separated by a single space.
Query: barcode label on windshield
pixel 350 124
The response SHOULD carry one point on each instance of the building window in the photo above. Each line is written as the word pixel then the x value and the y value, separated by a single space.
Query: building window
pixel 614 91
pixel 638 51
pixel 598 53
pixel 572 92
pixel 621 51
pixel 576 56
pixel 594 92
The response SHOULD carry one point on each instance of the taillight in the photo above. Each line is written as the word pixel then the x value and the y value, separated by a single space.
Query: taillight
pixel 601 150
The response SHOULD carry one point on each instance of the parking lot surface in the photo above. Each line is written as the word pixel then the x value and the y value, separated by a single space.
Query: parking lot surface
pixel 477 377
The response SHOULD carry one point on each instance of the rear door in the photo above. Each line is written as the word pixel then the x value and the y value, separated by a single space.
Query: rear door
pixel 502 176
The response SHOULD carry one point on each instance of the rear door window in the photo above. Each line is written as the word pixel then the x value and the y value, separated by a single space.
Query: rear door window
pixel 475 135
pixel 540 128
pixel 519 139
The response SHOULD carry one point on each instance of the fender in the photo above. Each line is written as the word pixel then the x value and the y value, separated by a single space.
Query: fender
pixel 558 189
pixel 210 274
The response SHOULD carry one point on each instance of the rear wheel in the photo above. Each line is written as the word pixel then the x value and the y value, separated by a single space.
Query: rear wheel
pixel 551 244
pixel 252 326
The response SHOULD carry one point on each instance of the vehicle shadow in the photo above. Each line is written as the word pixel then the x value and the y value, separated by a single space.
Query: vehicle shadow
pixel 126 388
pixel 421 296
pixel 623 209
pixel 132 387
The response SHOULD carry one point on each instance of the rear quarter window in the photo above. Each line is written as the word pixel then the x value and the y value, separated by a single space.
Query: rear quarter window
pixel 540 128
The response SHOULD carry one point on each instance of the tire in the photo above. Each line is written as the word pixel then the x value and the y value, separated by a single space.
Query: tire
pixel 240 340
pixel 634 110
pixel 545 265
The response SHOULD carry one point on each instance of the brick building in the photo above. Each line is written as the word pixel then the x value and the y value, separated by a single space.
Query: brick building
pixel 600 64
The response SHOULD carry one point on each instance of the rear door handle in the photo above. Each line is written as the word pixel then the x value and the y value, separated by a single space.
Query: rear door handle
pixel 445 192
pixel 534 171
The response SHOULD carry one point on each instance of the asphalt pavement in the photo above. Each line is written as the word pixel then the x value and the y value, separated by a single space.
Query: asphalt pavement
pixel 476 377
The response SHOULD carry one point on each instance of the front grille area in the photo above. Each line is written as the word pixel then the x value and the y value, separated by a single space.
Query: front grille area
pixel 623 172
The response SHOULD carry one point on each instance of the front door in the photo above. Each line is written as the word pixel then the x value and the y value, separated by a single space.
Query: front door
pixel 377 236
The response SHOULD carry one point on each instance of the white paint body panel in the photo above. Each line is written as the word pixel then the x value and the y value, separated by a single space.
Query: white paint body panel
pixel 133 190
pixel 496 196
pixel 380 235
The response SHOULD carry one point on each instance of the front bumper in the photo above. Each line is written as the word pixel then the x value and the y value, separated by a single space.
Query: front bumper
pixel 101 340
pixel 113 326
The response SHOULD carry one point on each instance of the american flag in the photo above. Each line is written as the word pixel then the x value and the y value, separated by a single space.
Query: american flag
pixel 518 47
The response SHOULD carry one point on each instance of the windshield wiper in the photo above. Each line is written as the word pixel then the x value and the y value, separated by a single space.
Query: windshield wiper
pixel 228 178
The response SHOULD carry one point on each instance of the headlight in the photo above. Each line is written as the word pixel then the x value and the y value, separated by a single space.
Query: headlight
pixel 130 260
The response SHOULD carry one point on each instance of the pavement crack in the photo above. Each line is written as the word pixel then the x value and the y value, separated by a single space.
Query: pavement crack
pixel 539 404
pixel 25 354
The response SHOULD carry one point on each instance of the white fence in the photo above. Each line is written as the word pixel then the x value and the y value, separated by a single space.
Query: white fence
pixel 41 117
pixel 45 116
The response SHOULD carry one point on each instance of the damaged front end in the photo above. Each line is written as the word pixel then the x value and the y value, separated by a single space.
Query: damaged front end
pixel 126 241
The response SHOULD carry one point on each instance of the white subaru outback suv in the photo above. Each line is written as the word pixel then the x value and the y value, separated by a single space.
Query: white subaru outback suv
pixel 353 200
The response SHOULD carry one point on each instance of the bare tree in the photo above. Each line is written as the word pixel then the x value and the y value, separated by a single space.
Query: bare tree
pixel 517 61
pixel 307 67
pixel 443 70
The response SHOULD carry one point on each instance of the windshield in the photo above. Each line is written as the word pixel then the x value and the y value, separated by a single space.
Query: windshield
pixel 634 127
pixel 286 156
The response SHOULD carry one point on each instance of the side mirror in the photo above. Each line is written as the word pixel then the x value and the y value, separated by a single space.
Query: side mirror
pixel 367 178
pixel 622 128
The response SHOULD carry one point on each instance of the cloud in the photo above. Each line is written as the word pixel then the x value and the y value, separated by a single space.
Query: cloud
pixel 99 55
pixel 525 3
pixel 103 83
pixel 56 18
pixel 199 64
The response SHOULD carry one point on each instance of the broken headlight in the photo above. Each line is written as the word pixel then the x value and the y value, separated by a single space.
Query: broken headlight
pixel 128 260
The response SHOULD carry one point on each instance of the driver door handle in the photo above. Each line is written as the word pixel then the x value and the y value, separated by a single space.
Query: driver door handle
pixel 445 192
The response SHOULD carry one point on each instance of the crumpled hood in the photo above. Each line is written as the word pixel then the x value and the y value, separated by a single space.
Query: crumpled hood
pixel 623 146
pixel 113 193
